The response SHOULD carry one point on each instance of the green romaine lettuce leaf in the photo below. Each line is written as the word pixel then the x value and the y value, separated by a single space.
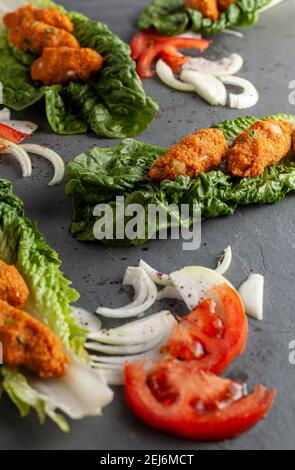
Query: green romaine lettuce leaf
pixel 101 175
pixel 113 104
pixel 171 17
pixel 22 244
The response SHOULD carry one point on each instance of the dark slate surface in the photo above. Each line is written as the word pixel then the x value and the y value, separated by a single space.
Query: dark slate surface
pixel 262 239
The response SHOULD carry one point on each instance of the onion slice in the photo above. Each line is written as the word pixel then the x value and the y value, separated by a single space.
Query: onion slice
pixel 5 115
pixel 86 319
pixel 157 277
pixel 21 156
pixel 225 262
pixel 169 292
pixel 193 283
pixel 165 73
pixel 140 331
pixel 226 66
pixel 114 350
pixel 113 367
pixel 207 86
pixel 233 32
pixel 145 295
pixel 133 348
pixel 247 99
pixel 252 294
pixel 53 157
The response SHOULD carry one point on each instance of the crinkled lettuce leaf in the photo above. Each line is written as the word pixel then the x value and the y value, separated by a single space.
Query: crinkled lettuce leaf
pixel 171 17
pixel 113 104
pixel 101 175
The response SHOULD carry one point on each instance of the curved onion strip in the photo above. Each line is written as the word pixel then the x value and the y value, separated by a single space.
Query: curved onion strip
pixel 86 319
pixel 169 292
pixel 247 99
pixel 191 35
pixel 141 331
pixel 53 157
pixel 80 393
pixel 207 86
pixel 21 156
pixel 225 262
pixel 252 294
pixel 157 277
pixel 121 350
pixel 222 67
pixel 166 74
pixel 142 283
pixel 116 359
pixel 5 115
pixel 116 377
pixel 233 32
pixel 132 349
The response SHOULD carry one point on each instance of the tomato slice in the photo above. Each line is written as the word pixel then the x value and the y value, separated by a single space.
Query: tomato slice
pixel 11 134
pixel 170 46
pixel 177 398
pixel 213 334
pixel 142 40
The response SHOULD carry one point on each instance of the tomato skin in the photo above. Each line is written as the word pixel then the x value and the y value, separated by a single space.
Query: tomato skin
pixel 220 351
pixel 170 46
pixel 142 40
pixel 181 419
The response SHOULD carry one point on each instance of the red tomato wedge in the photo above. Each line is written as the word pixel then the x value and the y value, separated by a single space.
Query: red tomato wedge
pixel 170 46
pixel 11 134
pixel 177 398
pixel 213 334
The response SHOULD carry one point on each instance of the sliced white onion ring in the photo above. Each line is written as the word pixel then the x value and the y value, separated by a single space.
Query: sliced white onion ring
pixel 86 319
pixel 252 294
pixel 225 262
pixel 114 375
pixel 116 359
pixel 247 99
pixel 53 157
pixel 5 115
pixel 140 331
pixel 193 283
pixel 191 35
pixel 165 73
pixel 20 154
pixel 145 295
pixel 226 66
pixel 123 350
pixel 157 277
pixel 233 32
pixel 113 350
pixel 169 292
pixel 207 86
